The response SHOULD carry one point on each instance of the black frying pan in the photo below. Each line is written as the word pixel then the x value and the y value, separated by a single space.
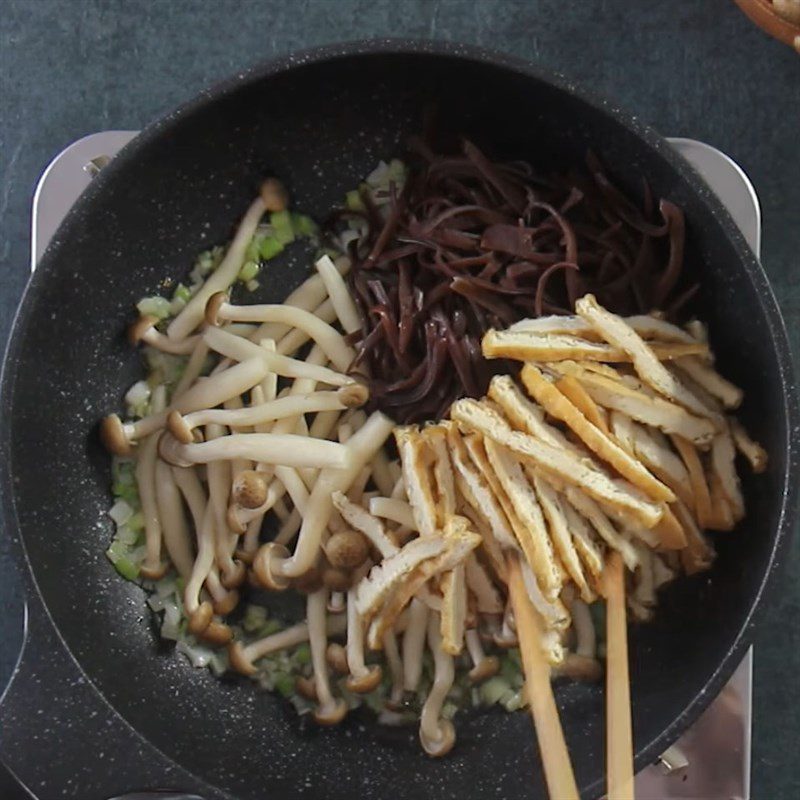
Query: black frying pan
pixel 127 713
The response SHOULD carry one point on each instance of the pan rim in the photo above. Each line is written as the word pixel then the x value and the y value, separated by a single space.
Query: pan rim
pixel 366 48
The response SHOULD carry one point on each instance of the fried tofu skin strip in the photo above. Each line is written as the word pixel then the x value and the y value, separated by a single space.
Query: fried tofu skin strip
pixel 554 461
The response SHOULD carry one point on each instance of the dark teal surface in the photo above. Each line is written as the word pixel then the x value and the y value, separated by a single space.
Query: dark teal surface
pixel 693 68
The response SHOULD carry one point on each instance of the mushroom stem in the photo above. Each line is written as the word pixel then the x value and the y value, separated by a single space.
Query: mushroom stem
pixel 202 565
pixel 329 710
pixel 225 600
pixel 174 528
pixel 289 406
pixel 360 449
pixel 296 338
pixel 286 449
pixel 326 336
pixel 194 366
pixel 414 644
pixel 323 424
pixel 308 296
pixel 290 528
pixel 382 473
pixel 231 382
pixel 362 679
pixel 339 294
pixel 436 734
pixel 244 657
pixel 242 350
pixel 219 482
pixel 152 566
pixel 395 663
pixel 393 509
pixel 483 666
pixel 222 277
pixel 144 330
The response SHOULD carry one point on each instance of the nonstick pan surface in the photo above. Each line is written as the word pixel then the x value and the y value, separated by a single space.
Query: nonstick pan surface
pixel 321 121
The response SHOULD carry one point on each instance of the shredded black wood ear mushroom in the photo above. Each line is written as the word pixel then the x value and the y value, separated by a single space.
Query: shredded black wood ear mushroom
pixel 469 243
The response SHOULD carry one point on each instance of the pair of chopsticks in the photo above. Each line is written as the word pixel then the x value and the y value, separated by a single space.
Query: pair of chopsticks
pixel 549 733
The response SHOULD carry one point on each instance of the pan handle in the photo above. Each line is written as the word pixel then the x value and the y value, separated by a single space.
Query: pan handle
pixel 59 736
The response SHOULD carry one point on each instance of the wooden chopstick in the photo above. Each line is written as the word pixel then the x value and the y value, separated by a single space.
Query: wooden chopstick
pixel 552 746
pixel 619 730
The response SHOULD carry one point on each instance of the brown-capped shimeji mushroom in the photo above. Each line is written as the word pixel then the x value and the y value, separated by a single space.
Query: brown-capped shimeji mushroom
pixel 436 734
pixel 582 664
pixel 218 473
pixel 153 567
pixel 222 277
pixel 311 295
pixel 336 602
pixel 336 656
pixel 119 437
pixel 483 666
pixel 391 652
pixel 330 710
pixel 362 678
pixel 339 353
pixel 269 448
pixel 243 657
pixel 174 528
pixel 360 450
pixel 274 195
pixel 346 549
pixel 240 349
pixel 506 638
pixel 182 427
pixel 361 520
pixel 144 330
pixel 340 296
pixel 199 613
pixel 414 644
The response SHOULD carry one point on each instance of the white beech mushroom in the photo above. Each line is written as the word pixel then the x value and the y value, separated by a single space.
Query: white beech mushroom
pixel 581 664
pixel 336 656
pixel 362 678
pixel 308 296
pixel 344 397
pixel 174 527
pixel 330 710
pixel 483 666
pixel 233 573
pixel 243 658
pixel 436 734
pixel 336 602
pixel 119 437
pixel 153 567
pixel 414 644
pixel 393 509
pixel 339 294
pixel 296 337
pixel 144 330
pixel 243 350
pixel 395 663
pixel 286 449
pixel 326 336
pixel 273 566
pixel 222 277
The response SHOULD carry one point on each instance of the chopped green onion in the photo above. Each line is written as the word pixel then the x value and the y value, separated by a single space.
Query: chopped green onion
pixel 493 690
pixel 126 568
pixel 513 701
pixel 285 685
pixel 354 201
pixel 254 248
pixel 269 627
pixel 302 655
pixel 270 247
pixel 281 222
pixel 154 306
pixel 136 522
pixel 303 225
pixel 449 710
pixel 251 286
pixel 254 618
pixel 248 271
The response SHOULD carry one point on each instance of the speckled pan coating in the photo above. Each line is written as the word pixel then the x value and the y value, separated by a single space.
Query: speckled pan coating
pixel 320 120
